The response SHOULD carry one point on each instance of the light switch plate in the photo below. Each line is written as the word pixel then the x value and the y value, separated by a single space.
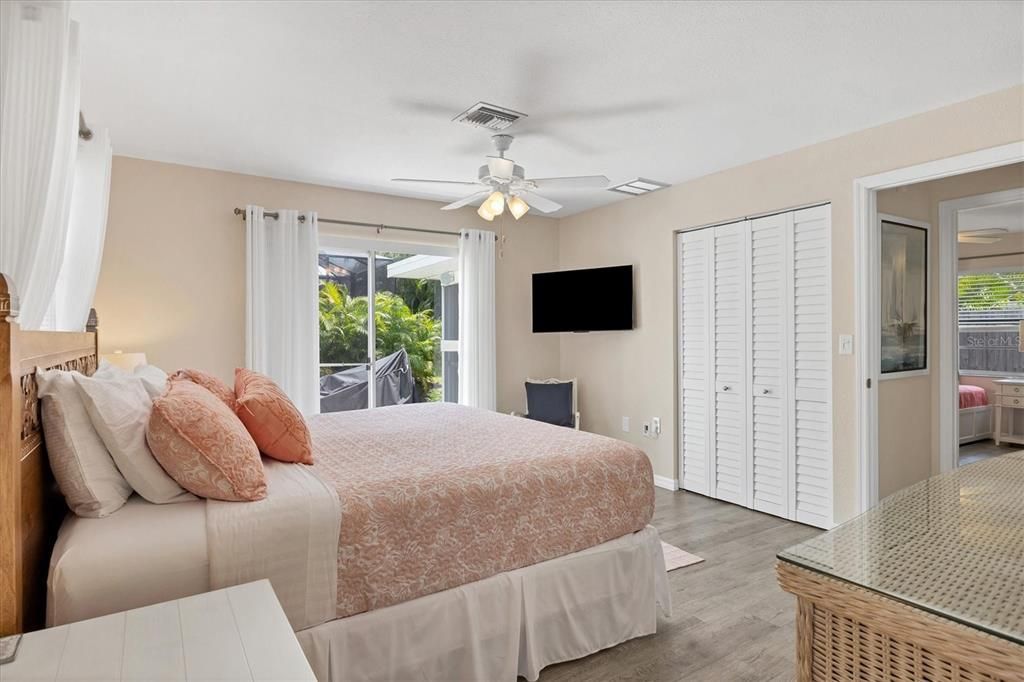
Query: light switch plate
pixel 625 424
pixel 647 429
pixel 656 425
pixel 846 344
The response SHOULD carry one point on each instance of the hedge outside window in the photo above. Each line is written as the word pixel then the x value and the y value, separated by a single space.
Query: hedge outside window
pixel 990 309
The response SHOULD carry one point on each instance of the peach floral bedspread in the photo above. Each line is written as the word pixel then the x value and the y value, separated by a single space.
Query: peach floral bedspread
pixel 437 495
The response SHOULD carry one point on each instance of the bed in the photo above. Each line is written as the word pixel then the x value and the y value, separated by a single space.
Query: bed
pixel 975 414
pixel 452 544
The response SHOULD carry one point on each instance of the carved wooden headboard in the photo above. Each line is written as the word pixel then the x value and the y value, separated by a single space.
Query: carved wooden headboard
pixel 31 506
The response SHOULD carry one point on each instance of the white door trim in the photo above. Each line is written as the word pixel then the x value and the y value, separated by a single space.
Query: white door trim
pixel 866 253
pixel 949 267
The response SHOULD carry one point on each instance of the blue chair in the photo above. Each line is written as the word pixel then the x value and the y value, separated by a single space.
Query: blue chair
pixel 553 401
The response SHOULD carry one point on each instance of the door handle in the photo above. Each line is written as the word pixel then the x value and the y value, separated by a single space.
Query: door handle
pixel 765 391
pixel 725 388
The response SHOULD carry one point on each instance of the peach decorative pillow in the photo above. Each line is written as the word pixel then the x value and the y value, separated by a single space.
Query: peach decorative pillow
pixel 209 382
pixel 272 419
pixel 203 446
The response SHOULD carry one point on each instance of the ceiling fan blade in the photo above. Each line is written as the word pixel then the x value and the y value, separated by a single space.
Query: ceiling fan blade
pixel 967 239
pixel 540 203
pixel 464 200
pixel 436 182
pixel 571 182
pixel 987 232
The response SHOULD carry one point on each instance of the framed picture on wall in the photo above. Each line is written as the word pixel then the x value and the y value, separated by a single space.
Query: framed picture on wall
pixel 904 292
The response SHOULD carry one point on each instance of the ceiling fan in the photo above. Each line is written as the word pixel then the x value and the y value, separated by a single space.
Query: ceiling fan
pixel 502 183
pixel 986 236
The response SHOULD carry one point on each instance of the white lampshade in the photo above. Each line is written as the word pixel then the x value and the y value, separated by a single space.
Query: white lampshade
pixel 495 203
pixel 484 213
pixel 517 207
pixel 126 361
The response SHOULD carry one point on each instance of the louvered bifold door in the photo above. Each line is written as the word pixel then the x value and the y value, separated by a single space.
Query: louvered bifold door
pixel 812 366
pixel 729 362
pixel 695 251
pixel 768 340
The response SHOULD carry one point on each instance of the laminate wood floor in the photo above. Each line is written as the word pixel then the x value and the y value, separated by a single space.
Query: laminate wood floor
pixel 984 449
pixel 731 621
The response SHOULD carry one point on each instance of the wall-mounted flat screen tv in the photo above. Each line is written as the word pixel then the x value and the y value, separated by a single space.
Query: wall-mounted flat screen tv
pixel 591 300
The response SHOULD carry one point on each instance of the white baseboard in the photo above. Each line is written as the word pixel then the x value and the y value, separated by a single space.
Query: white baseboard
pixel 665 482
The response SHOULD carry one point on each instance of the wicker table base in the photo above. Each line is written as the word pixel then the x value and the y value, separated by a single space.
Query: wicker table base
pixel 850 633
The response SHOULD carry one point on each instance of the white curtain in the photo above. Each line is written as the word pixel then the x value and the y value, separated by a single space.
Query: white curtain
pixel 281 329
pixel 76 284
pixel 477 337
pixel 39 104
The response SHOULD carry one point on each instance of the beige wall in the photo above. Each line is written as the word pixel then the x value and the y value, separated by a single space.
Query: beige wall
pixel 909 407
pixel 172 281
pixel 632 373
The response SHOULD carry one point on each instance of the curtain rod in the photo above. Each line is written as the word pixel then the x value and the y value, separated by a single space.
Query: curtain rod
pixel 380 227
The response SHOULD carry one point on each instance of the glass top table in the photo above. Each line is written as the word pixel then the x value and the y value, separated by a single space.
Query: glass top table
pixel 952 545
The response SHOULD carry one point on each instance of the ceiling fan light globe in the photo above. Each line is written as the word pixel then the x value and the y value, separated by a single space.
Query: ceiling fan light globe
pixel 517 207
pixel 495 203
pixel 484 213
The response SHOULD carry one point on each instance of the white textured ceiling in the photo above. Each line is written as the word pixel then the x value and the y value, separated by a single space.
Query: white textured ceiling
pixel 353 94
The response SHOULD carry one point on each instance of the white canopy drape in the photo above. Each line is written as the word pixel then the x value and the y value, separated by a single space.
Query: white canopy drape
pixel 76 284
pixel 282 334
pixel 477 335
pixel 39 105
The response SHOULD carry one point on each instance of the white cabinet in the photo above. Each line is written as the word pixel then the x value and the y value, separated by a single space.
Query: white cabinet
pixel 755 364
pixel 237 633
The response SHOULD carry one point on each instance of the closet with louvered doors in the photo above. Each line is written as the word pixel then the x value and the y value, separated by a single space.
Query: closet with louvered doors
pixel 755 364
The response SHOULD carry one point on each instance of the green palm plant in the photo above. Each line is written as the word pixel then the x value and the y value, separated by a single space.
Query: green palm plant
pixel 343 332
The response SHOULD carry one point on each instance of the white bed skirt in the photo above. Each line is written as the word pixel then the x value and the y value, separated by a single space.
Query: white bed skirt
pixel 511 624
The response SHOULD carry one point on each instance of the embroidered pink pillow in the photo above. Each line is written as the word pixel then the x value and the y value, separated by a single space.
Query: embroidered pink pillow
pixel 209 382
pixel 203 446
pixel 272 419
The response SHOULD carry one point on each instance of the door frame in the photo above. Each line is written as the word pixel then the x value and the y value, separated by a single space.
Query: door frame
pixel 866 291
pixel 949 269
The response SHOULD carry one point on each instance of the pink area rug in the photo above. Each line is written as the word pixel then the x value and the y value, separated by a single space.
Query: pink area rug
pixel 678 558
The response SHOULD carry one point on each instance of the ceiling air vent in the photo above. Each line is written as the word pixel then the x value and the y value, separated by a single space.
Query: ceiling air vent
pixel 489 116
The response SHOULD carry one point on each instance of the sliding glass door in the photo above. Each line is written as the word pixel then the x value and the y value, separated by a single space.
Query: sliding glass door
pixel 391 315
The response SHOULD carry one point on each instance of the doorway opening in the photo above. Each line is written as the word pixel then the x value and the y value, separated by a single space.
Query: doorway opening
pixel 921 406
pixel 390 312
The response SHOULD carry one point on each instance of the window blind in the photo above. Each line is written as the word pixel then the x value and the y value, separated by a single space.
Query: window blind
pixel 995 298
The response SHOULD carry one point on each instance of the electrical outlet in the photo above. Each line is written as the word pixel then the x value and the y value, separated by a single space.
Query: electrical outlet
pixel 625 424
pixel 647 429
pixel 656 426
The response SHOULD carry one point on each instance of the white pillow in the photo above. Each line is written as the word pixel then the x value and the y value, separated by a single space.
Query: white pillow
pixel 81 463
pixel 154 378
pixel 119 409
